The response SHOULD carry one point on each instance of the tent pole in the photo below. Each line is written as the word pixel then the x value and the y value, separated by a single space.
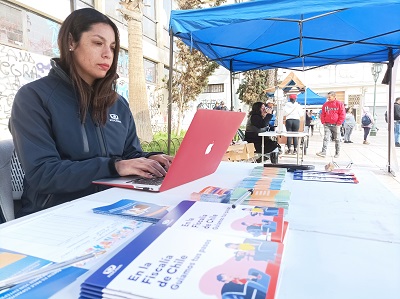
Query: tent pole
pixel 231 82
pixel 170 74
pixel 389 116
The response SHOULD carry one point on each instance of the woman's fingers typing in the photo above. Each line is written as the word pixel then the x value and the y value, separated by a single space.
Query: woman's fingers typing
pixel 140 166
pixel 164 160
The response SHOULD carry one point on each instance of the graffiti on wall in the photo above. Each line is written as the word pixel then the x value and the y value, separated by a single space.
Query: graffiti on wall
pixel 157 103
pixel 209 104
pixel 17 68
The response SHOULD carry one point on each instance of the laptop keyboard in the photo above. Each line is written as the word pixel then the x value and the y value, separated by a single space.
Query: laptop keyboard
pixel 147 181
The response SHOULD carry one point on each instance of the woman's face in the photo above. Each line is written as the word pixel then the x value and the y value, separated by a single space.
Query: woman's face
pixel 262 109
pixel 94 53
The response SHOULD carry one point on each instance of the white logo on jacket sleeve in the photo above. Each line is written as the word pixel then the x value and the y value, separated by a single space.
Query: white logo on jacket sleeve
pixel 114 118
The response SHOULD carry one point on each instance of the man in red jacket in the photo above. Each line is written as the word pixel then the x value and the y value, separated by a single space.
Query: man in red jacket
pixel 332 117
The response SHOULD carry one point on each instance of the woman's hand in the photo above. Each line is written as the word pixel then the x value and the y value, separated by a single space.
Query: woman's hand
pixel 156 165
pixel 263 112
pixel 164 160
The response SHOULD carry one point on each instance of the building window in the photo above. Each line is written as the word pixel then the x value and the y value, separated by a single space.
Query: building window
pixel 149 21
pixel 111 7
pixel 123 63
pixel 84 4
pixel 149 71
pixel 11 26
pixel 214 88
pixel 42 35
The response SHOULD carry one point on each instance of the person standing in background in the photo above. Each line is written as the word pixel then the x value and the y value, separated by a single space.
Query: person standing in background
pixel 312 123
pixel 349 124
pixel 367 125
pixel 217 106
pixel 307 122
pixel 396 117
pixel 222 106
pixel 332 117
pixel 397 121
pixel 293 113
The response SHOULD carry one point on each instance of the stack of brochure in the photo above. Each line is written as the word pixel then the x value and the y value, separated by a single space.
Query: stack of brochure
pixel 198 250
pixel 325 176
pixel 138 210
pixel 266 185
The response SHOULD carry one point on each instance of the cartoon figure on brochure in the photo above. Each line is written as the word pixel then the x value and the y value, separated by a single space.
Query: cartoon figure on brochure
pixel 255 286
pixel 138 209
pixel 147 210
pixel 262 211
pixel 253 249
pixel 246 272
pixel 258 229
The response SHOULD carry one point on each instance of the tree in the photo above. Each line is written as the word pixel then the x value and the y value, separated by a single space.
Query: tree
pixel 192 68
pixel 190 80
pixel 132 12
pixel 254 85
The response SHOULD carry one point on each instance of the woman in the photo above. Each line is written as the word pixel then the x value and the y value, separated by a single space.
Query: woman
pixel 293 112
pixel 349 124
pixel 257 122
pixel 71 127
pixel 307 123
pixel 367 125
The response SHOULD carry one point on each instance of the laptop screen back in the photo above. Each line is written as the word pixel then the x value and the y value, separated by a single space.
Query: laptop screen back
pixel 206 141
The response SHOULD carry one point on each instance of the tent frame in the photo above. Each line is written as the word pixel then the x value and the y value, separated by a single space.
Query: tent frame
pixel 227 61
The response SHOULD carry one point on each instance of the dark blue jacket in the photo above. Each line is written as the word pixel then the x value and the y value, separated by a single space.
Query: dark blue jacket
pixel 60 155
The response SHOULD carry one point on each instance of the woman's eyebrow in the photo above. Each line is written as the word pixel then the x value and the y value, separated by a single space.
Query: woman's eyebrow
pixel 102 38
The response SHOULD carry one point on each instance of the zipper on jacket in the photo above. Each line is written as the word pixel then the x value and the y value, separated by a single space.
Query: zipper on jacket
pixel 84 139
pixel 101 141
pixel 46 201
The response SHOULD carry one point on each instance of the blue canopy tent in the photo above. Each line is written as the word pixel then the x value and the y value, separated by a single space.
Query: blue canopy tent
pixel 292 34
pixel 309 97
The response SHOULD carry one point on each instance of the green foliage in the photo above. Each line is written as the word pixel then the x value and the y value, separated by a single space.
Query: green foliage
pixel 191 4
pixel 254 85
pixel 162 135
pixel 160 143
pixel 192 77
pixel 192 68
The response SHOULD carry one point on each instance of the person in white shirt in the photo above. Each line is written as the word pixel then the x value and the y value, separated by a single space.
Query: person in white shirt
pixel 293 112
pixel 349 124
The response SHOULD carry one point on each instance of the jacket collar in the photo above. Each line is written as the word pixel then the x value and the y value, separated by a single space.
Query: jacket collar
pixel 58 71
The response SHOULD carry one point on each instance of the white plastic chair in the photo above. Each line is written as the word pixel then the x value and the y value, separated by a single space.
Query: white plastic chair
pixel 11 180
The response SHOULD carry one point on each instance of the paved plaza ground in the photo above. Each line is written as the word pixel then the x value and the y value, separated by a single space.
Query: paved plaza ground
pixel 372 157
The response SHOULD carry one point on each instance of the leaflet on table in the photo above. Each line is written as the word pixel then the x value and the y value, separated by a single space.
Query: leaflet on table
pixel 134 209
pixel 267 195
pixel 253 182
pixel 259 171
pixel 70 230
pixel 14 264
pixel 244 221
pixel 212 194
pixel 261 201
pixel 325 177
pixel 167 261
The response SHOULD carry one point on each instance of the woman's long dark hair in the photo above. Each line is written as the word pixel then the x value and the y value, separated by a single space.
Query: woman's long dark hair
pixel 102 94
pixel 256 108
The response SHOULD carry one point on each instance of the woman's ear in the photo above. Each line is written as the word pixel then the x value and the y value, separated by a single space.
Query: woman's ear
pixel 71 43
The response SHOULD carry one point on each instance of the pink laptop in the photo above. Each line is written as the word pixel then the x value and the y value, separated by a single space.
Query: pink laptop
pixel 206 141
